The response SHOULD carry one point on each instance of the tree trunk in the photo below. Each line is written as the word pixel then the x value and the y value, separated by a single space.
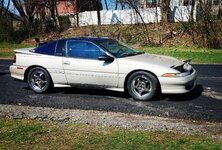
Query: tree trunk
pixel 192 10
pixel 57 16
pixel 116 5
pixel 6 9
pixel 107 8
pixel 165 10
pixel 1 7
pixel 219 16
pixel 20 9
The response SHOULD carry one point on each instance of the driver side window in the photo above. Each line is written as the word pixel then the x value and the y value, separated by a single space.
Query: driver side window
pixel 82 49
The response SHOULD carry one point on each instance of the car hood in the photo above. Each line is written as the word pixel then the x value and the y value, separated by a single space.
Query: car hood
pixel 154 60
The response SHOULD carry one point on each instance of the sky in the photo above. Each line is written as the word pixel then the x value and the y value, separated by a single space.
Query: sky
pixel 11 8
pixel 111 4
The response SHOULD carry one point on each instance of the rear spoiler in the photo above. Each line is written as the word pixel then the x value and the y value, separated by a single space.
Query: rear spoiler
pixel 187 61
pixel 24 50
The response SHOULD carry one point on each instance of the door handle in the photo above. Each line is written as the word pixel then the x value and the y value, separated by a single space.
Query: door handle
pixel 66 63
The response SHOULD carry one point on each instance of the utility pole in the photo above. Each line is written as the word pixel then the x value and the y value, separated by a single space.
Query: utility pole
pixel 98 11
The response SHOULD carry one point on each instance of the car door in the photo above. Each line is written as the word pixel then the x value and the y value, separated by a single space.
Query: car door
pixel 82 66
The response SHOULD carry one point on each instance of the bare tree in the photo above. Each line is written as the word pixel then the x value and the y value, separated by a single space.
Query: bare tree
pixel 26 10
pixel 165 10
pixel 122 4
pixel 116 5
pixel 135 6
pixel 206 31
pixel 192 10
pixel 6 25
pixel 3 9
pixel 20 9
pixel 219 16
pixel 52 6
pixel 89 5
pixel 107 8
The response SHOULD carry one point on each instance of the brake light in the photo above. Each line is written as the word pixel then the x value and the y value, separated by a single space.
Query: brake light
pixel 19 68
pixel 14 60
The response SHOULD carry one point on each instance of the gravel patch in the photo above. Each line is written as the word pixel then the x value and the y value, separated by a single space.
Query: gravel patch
pixel 111 119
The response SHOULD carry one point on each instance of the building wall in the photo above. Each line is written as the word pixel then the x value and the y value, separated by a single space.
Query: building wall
pixel 66 7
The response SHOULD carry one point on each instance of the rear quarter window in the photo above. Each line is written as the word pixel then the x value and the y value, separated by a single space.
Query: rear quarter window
pixel 47 49
pixel 60 48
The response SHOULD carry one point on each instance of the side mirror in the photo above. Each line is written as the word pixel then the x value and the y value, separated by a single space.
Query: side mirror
pixel 106 58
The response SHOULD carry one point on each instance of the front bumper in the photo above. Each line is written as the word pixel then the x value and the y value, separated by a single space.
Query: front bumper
pixel 17 72
pixel 178 85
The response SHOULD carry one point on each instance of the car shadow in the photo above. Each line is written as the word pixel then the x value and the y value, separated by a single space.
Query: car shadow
pixel 3 73
pixel 85 91
pixel 104 92
pixel 195 93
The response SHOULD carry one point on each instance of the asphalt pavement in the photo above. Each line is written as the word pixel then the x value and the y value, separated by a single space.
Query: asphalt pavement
pixel 204 103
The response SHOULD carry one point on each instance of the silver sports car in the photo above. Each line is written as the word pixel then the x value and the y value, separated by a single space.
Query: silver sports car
pixel 101 62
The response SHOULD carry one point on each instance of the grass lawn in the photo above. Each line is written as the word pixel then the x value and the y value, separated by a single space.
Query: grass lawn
pixel 198 55
pixel 4 45
pixel 32 134
pixel 6 49
pixel 6 53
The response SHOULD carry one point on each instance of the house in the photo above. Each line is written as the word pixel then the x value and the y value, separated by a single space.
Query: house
pixel 66 7
pixel 63 8
pixel 69 8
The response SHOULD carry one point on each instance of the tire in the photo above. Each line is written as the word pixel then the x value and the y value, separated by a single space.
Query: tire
pixel 142 86
pixel 39 80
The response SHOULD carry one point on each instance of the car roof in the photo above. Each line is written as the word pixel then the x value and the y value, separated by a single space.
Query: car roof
pixel 90 39
pixel 47 47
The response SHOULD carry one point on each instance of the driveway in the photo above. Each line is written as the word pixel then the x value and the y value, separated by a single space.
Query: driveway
pixel 204 103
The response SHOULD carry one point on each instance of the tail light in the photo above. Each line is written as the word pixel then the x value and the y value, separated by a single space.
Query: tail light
pixel 14 60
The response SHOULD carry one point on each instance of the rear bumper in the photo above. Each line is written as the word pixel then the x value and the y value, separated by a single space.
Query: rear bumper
pixel 17 72
pixel 178 85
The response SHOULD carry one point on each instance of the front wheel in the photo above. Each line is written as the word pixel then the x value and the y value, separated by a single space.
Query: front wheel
pixel 142 86
pixel 39 80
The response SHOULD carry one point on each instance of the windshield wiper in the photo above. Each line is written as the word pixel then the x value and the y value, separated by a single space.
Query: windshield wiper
pixel 140 53
pixel 132 54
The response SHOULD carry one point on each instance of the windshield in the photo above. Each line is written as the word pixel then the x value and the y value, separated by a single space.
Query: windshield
pixel 116 49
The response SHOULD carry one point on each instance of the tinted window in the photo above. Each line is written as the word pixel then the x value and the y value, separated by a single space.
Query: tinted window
pixel 117 49
pixel 61 48
pixel 47 49
pixel 80 49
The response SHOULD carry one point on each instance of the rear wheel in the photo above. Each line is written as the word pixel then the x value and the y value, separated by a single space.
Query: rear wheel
pixel 142 86
pixel 39 80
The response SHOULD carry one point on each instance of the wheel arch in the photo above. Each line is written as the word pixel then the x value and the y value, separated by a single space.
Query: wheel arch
pixel 34 66
pixel 129 74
